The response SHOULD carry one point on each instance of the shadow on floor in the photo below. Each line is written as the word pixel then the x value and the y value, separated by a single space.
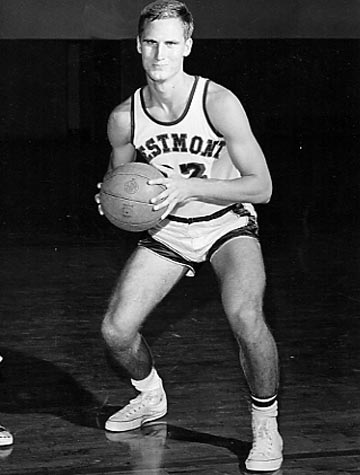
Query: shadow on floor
pixel 146 446
pixel 32 385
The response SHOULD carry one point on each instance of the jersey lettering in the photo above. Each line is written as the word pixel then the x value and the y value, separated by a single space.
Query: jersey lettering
pixel 154 147
pixel 196 145
pixel 179 143
pixel 221 146
pixel 163 140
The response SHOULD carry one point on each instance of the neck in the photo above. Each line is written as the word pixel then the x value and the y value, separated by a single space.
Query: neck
pixel 170 92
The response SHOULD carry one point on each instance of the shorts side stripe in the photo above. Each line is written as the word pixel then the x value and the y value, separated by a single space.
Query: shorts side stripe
pixel 163 251
pixel 251 230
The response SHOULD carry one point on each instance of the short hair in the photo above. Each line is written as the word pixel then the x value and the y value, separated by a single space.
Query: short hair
pixel 161 9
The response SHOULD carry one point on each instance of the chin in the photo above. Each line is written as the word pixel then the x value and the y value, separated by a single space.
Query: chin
pixel 158 77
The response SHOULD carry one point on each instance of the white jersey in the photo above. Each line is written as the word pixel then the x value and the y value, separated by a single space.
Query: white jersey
pixel 189 145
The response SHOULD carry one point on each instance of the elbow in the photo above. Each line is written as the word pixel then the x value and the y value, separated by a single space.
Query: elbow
pixel 266 194
pixel 267 197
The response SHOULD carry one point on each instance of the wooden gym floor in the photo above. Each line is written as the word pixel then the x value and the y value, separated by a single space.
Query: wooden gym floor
pixel 57 388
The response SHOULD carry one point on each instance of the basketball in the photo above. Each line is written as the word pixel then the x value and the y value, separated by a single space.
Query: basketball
pixel 125 196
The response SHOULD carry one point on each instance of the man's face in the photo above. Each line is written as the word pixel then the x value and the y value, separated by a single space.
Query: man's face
pixel 163 47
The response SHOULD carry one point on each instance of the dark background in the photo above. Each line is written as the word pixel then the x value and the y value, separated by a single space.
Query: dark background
pixel 301 95
pixel 117 19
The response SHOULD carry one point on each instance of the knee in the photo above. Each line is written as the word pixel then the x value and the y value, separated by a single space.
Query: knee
pixel 116 333
pixel 246 318
pixel 109 330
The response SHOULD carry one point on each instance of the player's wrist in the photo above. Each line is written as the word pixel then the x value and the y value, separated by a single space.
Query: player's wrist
pixel 195 187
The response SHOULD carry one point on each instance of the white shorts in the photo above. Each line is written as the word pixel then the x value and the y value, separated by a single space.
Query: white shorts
pixel 196 242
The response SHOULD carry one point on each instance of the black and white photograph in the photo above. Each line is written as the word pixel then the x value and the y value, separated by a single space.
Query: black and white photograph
pixel 179 237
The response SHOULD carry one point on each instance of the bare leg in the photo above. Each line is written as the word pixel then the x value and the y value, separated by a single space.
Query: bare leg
pixel 240 270
pixel 144 282
pixel 239 267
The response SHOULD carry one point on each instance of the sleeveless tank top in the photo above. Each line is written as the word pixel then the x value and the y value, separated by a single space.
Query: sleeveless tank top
pixel 189 145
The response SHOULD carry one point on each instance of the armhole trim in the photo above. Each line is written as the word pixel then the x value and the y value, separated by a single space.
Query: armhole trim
pixel 206 87
pixel 132 116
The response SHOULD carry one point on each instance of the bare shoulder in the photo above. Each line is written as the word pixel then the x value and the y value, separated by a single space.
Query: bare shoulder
pixel 121 115
pixel 219 95
pixel 224 107
pixel 119 123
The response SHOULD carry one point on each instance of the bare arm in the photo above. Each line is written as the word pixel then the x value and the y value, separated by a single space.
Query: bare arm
pixel 254 186
pixel 119 135
pixel 229 118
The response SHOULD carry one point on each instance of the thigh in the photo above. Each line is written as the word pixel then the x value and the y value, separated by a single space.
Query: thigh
pixel 239 267
pixel 144 281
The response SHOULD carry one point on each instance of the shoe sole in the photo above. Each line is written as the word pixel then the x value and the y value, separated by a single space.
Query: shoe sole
pixel 6 441
pixel 269 466
pixel 126 426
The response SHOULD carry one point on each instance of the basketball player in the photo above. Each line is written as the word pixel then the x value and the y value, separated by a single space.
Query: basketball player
pixel 197 133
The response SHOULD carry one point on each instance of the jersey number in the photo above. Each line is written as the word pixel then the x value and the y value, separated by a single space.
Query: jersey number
pixel 193 170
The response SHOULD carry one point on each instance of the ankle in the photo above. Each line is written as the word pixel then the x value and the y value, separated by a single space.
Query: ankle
pixel 264 406
pixel 151 383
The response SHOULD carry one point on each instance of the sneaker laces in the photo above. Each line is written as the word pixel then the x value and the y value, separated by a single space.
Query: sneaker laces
pixel 136 404
pixel 263 430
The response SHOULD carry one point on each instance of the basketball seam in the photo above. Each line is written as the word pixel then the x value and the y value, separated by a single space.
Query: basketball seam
pixel 130 224
pixel 114 190
pixel 126 199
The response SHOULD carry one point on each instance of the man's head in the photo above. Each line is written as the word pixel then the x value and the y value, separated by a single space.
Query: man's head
pixel 162 9
pixel 164 38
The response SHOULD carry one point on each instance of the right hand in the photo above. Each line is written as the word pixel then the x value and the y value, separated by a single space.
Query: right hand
pixel 97 199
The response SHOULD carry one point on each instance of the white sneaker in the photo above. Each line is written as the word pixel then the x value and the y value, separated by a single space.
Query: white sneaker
pixel 146 407
pixel 266 452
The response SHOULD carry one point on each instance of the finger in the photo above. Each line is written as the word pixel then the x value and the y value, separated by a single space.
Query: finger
pixel 161 205
pixel 157 181
pixel 168 211
pixel 98 185
pixel 97 198
pixel 160 199
pixel 100 210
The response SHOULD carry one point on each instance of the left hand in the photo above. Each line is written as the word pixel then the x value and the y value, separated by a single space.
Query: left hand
pixel 178 190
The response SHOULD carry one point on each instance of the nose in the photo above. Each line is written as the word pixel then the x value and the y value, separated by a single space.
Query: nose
pixel 160 51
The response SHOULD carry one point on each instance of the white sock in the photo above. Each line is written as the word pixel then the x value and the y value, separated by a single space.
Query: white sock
pixel 150 383
pixel 266 411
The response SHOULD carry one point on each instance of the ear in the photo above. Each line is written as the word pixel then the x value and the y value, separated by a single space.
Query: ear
pixel 138 44
pixel 188 46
